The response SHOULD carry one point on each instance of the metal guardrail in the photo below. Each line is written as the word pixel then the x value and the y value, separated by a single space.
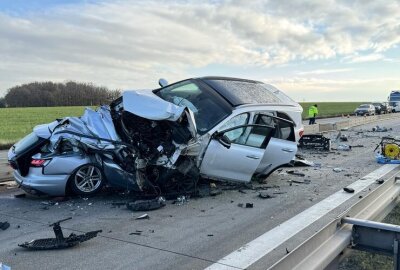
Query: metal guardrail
pixel 325 248
pixel 347 123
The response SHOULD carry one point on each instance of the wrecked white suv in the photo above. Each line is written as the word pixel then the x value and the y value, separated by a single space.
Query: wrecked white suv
pixel 163 140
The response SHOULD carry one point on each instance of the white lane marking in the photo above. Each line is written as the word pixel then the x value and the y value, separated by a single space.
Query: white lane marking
pixel 262 245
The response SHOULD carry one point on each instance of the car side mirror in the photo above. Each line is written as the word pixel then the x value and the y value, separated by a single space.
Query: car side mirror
pixel 162 82
pixel 223 140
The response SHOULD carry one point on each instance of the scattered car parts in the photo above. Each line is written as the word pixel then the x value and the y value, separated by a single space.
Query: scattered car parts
pixel 59 242
pixel 315 141
pixel 389 151
pixel 146 205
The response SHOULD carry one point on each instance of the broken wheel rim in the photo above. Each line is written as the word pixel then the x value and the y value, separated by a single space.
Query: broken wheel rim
pixel 88 178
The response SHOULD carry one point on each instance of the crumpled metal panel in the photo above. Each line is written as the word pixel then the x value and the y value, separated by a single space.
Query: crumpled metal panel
pixel 94 124
pixel 146 104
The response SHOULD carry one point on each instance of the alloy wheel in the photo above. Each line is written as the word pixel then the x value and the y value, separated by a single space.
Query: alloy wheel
pixel 88 179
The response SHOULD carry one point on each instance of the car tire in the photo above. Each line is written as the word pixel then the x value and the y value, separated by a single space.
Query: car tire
pixel 87 180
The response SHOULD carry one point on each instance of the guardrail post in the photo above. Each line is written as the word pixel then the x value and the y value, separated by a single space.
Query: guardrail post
pixel 396 255
pixel 376 237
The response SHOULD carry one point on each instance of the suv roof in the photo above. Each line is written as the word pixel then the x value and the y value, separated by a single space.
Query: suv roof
pixel 242 91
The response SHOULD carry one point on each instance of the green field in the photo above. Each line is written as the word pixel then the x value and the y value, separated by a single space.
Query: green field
pixel 15 123
pixel 331 108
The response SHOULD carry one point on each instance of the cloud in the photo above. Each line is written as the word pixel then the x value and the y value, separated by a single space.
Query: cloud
pixel 324 71
pixel 128 44
pixel 367 58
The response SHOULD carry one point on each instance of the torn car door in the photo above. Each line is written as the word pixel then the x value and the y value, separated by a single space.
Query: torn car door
pixel 235 154
pixel 282 147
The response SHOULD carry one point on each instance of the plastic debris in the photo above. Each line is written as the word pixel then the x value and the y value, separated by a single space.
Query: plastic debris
pixel 337 170
pixel 300 161
pixel 348 190
pixel 344 147
pixel 181 200
pixel 380 181
pixel 247 205
pixel 144 216
pixel 265 195
pixel 146 205
pixel 315 141
pixel 343 138
pixel 60 241
pixel 4 225
pixel 292 172
pixel 381 129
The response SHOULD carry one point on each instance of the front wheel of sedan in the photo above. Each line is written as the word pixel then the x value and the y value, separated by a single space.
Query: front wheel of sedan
pixel 87 180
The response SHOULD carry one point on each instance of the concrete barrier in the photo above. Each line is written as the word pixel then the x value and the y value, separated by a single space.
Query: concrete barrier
pixel 353 122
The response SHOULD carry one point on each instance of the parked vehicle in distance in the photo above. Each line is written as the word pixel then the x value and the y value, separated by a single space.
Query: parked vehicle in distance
pixel 365 109
pixel 394 100
pixel 163 140
pixel 380 108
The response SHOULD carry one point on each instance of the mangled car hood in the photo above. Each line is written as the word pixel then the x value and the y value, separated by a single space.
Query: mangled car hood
pixel 148 105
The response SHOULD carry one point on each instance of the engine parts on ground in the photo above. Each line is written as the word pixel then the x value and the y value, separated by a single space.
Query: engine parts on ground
pixel 60 241
pixel 146 205
pixel 389 151
pixel 315 141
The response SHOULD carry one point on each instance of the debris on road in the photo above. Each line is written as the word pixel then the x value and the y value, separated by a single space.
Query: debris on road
pixel 4 225
pixel 343 147
pixel 389 151
pixel 247 205
pixel 306 181
pixel 60 241
pixel 348 190
pixel 300 161
pixel 146 205
pixel 265 195
pixel 144 216
pixel 181 200
pixel 337 170
pixel 381 129
pixel 297 173
pixel 343 138
pixel 315 141
pixel 380 181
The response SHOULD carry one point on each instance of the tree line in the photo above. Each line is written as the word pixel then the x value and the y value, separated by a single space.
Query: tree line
pixel 47 94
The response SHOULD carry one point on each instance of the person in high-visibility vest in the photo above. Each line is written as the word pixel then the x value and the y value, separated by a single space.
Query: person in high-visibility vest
pixel 312 113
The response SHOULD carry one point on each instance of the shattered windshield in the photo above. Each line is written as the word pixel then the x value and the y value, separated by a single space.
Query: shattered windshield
pixel 209 108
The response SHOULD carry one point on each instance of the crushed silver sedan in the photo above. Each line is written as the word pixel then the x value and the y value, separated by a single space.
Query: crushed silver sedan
pixel 164 140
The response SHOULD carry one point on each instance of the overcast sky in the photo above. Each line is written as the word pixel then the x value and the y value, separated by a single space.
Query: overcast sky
pixel 318 50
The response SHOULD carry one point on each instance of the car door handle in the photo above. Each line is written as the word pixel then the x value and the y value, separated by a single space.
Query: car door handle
pixel 287 150
pixel 253 157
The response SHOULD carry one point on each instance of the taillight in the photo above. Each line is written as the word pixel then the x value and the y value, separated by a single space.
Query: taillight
pixel 37 162
pixel 301 133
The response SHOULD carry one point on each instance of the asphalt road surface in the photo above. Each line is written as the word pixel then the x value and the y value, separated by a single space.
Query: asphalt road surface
pixel 194 235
